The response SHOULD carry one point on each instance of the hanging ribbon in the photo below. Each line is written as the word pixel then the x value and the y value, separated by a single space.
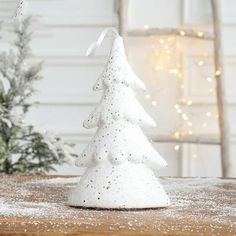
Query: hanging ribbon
pixel 99 41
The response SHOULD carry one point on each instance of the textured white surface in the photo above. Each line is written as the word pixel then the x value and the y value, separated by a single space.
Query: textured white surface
pixel 119 158
pixel 118 70
pixel 119 102
pixel 126 185
pixel 118 142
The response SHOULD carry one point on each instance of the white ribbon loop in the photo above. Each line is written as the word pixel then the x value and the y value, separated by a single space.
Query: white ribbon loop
pixel 98 43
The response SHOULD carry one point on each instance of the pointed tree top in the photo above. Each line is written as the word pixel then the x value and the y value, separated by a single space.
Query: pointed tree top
pixel 22 10
pixel 117 69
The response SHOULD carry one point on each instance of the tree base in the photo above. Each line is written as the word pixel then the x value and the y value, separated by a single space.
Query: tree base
pixel 126 186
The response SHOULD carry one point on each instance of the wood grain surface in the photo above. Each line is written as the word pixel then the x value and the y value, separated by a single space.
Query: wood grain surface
pixel 36 205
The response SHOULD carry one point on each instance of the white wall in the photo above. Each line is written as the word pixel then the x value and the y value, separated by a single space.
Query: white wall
pixel 62 35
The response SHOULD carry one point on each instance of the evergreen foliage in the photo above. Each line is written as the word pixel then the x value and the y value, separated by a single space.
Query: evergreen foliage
pixel 23 149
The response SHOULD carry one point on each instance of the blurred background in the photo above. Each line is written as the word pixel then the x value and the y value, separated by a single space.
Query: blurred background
pixel 179 73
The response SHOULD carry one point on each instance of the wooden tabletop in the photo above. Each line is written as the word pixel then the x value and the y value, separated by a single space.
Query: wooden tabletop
pixel 36 205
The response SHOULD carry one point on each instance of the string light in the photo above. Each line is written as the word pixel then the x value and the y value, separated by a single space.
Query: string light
pixel 164 56
pixel 157 68
pixel 177 147
pixel 176 106
pixel 175 71
pixel 177 135
pixel 179 111
pixel 180 75
pixel 218 72
pixel 200 34
pixel 190 123
pixel 209 79
pixel 154 103
pixel 211 90
pixel 190 132
pixel 184 116
pixel 189 102
pixel 200 63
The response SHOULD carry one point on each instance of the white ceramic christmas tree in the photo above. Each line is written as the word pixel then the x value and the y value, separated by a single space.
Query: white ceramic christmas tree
pixel 120 160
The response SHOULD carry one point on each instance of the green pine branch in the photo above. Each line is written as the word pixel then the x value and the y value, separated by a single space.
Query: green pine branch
pixel 22 148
